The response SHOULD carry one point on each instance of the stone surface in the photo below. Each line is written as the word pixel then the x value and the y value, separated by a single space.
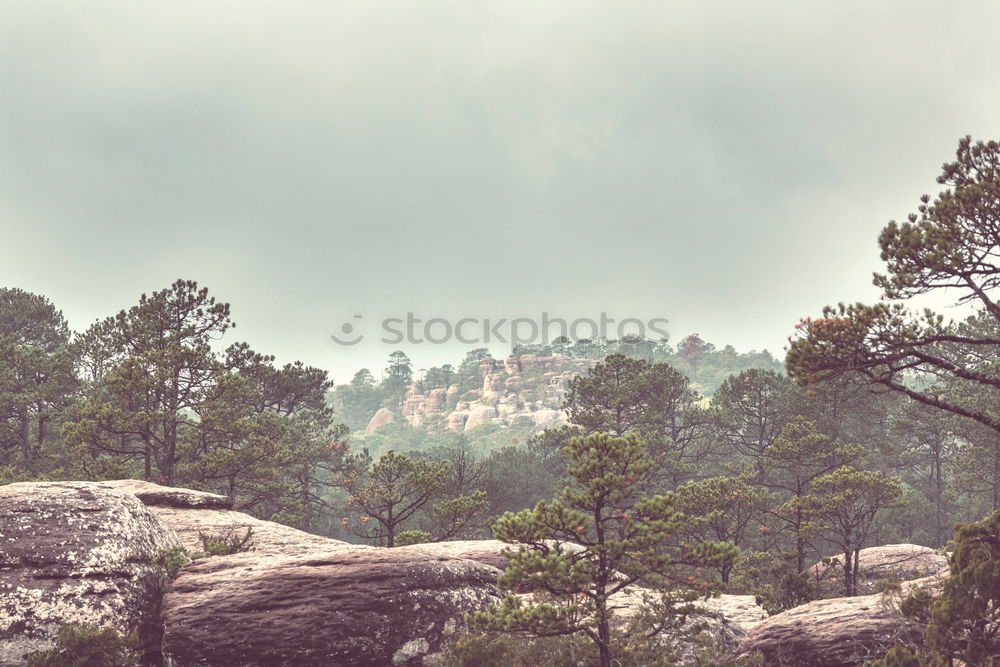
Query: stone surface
pixel 836 632
pixel 726 618
pixel 268 537
pixel 349 605
pixel 167 496
pixel 878 565
pixel 83 552
pixel 486 552
pixel 436 401
pixel 382 417
pixel 479 416
pixel 457 419
pixel 546 416
pixel 190 513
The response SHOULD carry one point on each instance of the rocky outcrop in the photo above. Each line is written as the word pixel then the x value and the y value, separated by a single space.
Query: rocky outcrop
pixel 349 605
pixel 479 415
pixel 878 566
pixel 740 612
pixel 457 420
pixel 154 495
pixel 192 513
pixel 524 387
pixel 487 552
pixel 267 537
pixel 76 552
pixel 836 632
pixel 546 416
pixel 436 401
pixel 381 418
pixel 726 619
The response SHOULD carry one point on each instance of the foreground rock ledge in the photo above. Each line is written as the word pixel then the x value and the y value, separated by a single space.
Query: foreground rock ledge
pixel 82 552
pixel 349 605
pixel 189 512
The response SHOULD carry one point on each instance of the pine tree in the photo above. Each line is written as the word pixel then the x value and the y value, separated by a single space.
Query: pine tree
pixel 592 542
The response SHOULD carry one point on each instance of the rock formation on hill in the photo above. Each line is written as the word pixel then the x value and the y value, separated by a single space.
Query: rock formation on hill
pixel 381 418
pixel 523 387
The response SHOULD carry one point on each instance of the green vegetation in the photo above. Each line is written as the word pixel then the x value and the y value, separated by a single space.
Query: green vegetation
pixel 88 646
pixel 386 494
pixel 223 544
pixel 596 539
pixel 962 623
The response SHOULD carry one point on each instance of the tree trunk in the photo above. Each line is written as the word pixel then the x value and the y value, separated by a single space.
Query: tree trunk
pixel 390 527
pixel 996 475
pixel 22 435
pixel 938 495
pixel 800 543
pixel 603 624
pixel 41 428
pixel 604 642
pixel 849 583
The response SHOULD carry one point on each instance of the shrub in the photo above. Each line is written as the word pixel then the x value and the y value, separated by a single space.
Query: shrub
pixel 413 537
pixel 226 543
pixel 962 624
pixel 88 646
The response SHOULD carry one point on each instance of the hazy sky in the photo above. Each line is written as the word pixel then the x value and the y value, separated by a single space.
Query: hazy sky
pixel 724 165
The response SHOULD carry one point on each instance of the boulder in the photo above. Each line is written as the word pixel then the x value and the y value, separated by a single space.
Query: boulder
pixel 382 417
pixel 838 631
pixel 879 565
pixel 192 513
pixel 436 401
pixel 486 552
pixel 457 419
pixel 545 416
pixel 487 365
pixel 349 605
pixel 154 495
pixel 727 619
pixel 268 537
pixel 493 385
pixel 480 415
pixel 76 552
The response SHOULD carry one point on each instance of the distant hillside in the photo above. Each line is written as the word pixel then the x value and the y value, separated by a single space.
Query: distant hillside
pixel 525 390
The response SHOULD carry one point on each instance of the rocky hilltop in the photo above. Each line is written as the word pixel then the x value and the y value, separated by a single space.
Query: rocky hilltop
pixel 525 387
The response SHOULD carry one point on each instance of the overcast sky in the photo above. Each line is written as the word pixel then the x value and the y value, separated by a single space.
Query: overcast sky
pixel 725 165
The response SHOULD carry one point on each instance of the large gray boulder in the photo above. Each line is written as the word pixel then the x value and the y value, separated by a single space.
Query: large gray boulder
pixel 191 513
pixel 878 566
pixel 76 552
pixel 839 631
pixel 487 552
pixel 155 495
pixel 349 605
pixel 724 619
